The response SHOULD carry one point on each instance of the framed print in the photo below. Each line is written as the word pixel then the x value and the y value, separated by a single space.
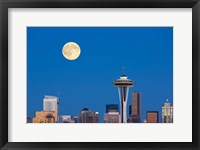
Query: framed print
pixel 104 74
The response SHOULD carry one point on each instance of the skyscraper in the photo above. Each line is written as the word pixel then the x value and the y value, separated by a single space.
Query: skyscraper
pixel 87 116
pixel 152 117
pixel 51 103
pixel 123 84
pixel 167 112
pixel 135 108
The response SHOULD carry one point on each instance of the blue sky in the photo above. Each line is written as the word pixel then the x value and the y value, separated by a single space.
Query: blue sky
pixel 146 53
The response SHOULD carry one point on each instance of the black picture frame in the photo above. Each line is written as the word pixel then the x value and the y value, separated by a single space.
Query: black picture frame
pixel 6 4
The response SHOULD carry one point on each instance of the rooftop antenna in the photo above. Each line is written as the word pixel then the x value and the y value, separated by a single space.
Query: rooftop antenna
pixel 123 70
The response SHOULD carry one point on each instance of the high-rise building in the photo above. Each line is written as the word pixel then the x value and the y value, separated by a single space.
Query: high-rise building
pixel 152 117
pixel 112 108
pixel 167 112
pixel 44 117
pixel 112 114
pixel 135 108
pixel 87 116
pixel 123 84
pixel 51 103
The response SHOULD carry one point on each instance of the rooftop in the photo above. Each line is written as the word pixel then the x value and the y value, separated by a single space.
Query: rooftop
pixel 47 96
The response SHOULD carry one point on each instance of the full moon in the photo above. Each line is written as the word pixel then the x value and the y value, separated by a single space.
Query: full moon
pixel 71 51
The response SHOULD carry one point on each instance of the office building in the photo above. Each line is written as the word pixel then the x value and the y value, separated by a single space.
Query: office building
pixel 135 109
pixel 44 117
pixel 51 103
pixel 112 114
pixel 111 117
pixel 66 119
pixel 167 112
pixel 152 117
pixel 112 108
pixel 87 116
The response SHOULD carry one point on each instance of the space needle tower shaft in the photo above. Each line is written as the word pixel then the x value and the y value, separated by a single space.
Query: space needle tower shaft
pixel 123 84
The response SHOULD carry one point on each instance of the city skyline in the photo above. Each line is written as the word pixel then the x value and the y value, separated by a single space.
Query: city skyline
pixel 50 113
pixel 146 52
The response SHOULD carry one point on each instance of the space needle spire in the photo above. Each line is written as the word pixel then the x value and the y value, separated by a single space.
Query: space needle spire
pixel 123 84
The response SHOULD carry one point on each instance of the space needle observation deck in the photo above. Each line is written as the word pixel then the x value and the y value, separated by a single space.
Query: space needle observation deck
pixel 123 84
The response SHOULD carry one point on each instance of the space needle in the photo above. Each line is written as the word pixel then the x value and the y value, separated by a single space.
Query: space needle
pixel 123 84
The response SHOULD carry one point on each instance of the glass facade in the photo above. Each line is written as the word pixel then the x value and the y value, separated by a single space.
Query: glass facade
pixel 112 108
pixel 51 103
